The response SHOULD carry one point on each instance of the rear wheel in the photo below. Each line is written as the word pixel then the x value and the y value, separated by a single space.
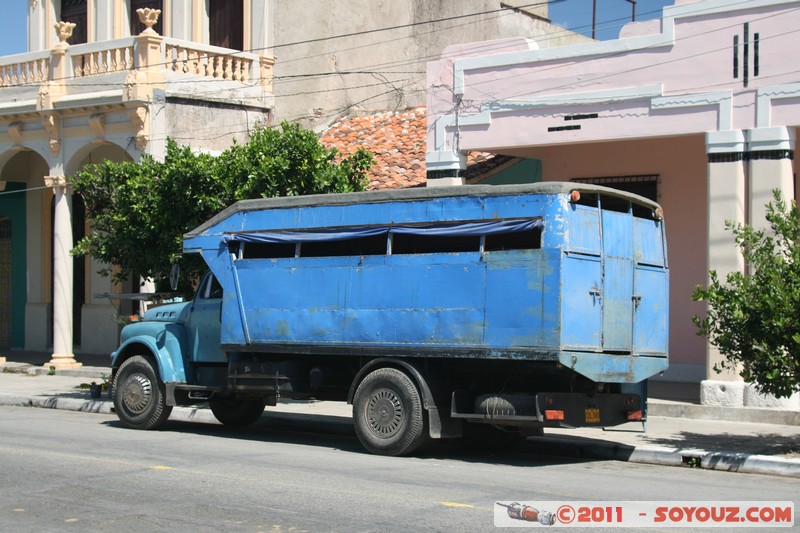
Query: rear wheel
pixel 139 398
pixel 236 411
pixel 388 414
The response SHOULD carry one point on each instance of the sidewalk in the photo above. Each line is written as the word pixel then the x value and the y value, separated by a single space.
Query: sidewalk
pixel 710 439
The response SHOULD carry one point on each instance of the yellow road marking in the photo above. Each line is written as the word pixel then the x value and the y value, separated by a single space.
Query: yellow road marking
pixel 161 467
pixel 454 504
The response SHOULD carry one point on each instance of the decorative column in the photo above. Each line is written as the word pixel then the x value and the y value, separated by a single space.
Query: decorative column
pixel 726 201
pixel 62 274
pixel 445 163
pixel 147 78
pixel 148 46
pixel 771 157
pixel 51 90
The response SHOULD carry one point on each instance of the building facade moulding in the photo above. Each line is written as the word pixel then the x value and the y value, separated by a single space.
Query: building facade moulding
pixel 136 97
pixel 774 139
pixel 758 143
pixel 140 118
pixel 723 100
pixel 148 17
pixel 64 32
pixel 58 184
pixel 622 94
pixel 52 123
pixel 15 132
pixel 767 95
pixel 725 142
pixel 97 123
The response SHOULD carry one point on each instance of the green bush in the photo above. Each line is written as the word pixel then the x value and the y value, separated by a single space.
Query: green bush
pixel 139 212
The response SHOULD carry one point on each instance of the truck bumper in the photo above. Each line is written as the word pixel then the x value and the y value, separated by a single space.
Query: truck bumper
pixel 550 409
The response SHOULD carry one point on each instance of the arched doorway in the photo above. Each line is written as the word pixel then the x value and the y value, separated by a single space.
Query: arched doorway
pixel 95 313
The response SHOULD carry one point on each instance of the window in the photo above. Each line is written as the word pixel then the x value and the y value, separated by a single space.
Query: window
pixel 645 186
pixel 226 23
pixel 75 11
pixel 434 244
pixel 212 289
pixel 268 250
pixel 466 236
pixel 373 245
pixel 518 240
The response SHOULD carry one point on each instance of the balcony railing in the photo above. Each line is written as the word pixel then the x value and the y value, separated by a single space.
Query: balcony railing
pixel 210 61
pixel 177 57
pixel 104 57
pixel 24 69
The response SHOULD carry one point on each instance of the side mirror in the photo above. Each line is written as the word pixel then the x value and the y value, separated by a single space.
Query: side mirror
pixel 174 276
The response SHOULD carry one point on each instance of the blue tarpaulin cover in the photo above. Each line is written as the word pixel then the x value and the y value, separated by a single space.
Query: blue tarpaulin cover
pixel 470 229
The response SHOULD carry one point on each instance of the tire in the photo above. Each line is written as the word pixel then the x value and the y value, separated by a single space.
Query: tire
pixel 237 412
pixel 388 415
pixel 139 397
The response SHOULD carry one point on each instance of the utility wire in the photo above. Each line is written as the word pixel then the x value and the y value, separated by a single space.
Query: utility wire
pixel 417 60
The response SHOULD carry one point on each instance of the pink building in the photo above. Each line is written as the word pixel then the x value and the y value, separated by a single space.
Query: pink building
pixel 697 109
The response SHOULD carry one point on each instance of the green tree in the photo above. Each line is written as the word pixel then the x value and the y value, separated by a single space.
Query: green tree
pixel 140 211
pixel 754 318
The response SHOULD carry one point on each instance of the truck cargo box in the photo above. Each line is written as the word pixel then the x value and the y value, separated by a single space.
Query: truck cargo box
pixel 572 274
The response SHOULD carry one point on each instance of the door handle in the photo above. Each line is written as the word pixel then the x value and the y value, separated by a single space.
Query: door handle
pixel 596 294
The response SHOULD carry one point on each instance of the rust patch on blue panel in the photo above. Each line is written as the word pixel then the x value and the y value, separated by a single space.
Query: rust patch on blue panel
pixel 282 329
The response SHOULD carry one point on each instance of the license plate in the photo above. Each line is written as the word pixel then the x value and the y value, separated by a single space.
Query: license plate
pixel 592 416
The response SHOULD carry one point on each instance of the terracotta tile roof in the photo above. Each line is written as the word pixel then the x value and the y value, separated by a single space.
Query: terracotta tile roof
pixel 397 139
pixel 481 165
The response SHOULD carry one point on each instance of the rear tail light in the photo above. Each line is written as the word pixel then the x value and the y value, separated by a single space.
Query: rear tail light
pixel 552 414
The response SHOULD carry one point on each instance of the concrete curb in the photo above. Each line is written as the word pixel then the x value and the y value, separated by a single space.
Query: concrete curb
pixel 754 415
pixel 90 372
pixel 558 446
pixel 657 455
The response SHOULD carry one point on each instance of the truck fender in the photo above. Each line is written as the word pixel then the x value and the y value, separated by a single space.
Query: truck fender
pixel 165 347
pixel 439 425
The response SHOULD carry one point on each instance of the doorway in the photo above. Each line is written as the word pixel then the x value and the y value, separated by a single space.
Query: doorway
pixel 5 283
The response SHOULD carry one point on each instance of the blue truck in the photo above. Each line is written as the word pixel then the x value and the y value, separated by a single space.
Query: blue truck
pixel 472 312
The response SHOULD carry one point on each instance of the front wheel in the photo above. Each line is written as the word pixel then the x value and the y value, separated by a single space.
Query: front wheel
pixel 235 411
pixel 139 397
pixel 388 414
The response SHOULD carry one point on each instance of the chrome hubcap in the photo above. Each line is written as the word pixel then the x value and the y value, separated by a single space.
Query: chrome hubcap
pixel 385 413
pixel 137 393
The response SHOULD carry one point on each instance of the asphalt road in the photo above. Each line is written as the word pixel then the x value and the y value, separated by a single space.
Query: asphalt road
pixel 72 471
